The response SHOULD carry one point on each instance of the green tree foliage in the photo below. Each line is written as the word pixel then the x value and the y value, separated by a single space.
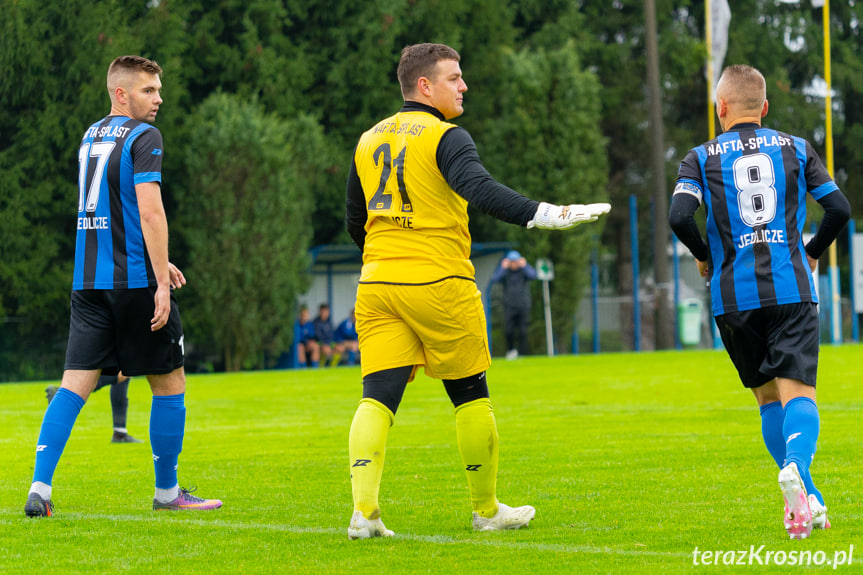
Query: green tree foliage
pixel 551 149
pixel 53 58
pixel 785 41
pixel 847 69
pixel 614 46
pixel 244 215
pixel 324 72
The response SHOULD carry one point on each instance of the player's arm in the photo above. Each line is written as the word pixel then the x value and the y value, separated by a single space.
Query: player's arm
pixel 837 210
pixel 463 170
pixel 154 226
pixel 356 211
pixel 147 166
pixel 681 220
pixel 688 194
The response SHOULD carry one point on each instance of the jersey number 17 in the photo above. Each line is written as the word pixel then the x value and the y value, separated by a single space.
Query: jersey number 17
pixel 89 199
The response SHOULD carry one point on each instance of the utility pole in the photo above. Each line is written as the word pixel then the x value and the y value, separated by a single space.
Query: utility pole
pixel 664 320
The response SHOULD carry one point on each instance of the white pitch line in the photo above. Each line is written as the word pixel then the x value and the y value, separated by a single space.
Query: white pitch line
pixel 432 539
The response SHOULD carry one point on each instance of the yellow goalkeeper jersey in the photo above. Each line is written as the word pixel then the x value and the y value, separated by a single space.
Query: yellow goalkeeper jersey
pixel 417 226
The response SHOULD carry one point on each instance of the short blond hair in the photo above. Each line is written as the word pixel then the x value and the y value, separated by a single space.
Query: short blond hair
pixel 742 87
pixel 123 66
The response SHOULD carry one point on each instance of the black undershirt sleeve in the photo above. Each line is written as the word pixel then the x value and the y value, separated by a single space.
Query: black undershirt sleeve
pixel 837 210
pixel 462 169
pixel 681 219
pixel 356 213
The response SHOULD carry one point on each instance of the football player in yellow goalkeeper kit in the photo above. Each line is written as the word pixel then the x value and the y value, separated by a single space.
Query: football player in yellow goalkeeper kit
pixel 412 177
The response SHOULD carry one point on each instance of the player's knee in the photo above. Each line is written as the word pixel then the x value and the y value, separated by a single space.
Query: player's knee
pixel 173 383
pixel 466 389
pixel 387 386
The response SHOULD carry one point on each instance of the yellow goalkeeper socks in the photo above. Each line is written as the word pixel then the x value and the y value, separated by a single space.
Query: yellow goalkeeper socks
pixel 476 431
pixel 367 447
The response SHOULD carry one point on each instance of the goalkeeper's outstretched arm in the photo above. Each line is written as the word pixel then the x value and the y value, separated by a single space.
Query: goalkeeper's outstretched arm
pixel 463 170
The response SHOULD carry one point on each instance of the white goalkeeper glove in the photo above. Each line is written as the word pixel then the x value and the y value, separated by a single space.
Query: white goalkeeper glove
pixel 552 217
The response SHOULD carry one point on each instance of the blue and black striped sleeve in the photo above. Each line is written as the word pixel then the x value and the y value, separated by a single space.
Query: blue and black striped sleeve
pixel 818 180
pixel 147 152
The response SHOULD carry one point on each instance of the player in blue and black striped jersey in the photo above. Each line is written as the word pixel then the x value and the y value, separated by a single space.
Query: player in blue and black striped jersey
pixel 753 183
pixel 124 315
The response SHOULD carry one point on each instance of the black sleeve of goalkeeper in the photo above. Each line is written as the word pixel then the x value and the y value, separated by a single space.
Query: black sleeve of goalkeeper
pixel 462 169
pixel 356 212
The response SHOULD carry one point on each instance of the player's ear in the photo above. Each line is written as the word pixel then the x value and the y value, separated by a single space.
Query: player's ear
pixel 764 109
pixel 424 86
pixel 120 95
pixel 721 107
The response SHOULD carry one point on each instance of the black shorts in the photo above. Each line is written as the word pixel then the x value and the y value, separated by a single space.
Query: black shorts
pixel 110 329
pixel 775 341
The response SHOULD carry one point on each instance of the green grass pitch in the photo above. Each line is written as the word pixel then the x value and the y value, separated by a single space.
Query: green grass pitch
pixel 631 460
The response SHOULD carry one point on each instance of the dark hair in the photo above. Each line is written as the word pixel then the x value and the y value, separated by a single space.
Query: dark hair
pixel 419 60
pixel 134 64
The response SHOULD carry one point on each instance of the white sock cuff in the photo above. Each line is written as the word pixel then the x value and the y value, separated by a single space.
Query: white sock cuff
pixel 43 489
pixel 167 495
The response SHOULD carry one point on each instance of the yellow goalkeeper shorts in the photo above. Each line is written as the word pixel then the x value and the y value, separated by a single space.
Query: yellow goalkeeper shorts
pixel 440 326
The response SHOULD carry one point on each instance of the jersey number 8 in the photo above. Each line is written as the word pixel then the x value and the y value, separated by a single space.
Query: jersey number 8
pixel 754 179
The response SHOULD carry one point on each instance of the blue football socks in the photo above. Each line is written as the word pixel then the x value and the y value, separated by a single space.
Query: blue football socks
pixel 56 428
pixel 772 420
pixel 167 427
pixel 801 428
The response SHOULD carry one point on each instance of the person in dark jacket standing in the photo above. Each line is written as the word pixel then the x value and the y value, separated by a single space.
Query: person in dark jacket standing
pixel 515 275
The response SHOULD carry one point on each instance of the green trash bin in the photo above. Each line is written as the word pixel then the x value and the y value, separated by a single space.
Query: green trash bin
pixel 689 321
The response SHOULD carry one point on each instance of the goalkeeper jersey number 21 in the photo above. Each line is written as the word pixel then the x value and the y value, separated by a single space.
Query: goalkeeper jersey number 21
pixel 417 226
